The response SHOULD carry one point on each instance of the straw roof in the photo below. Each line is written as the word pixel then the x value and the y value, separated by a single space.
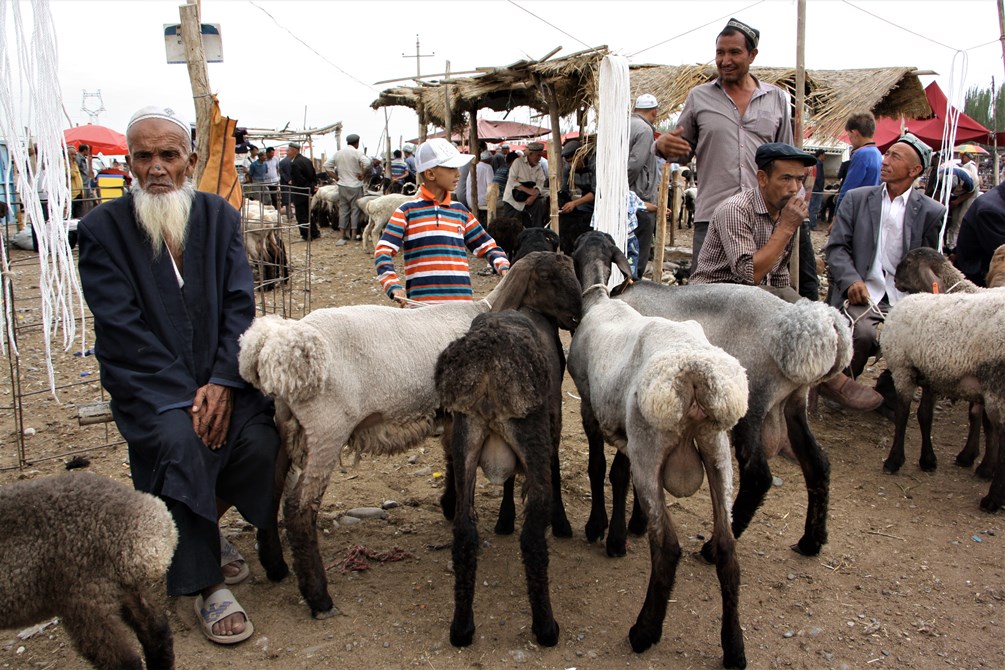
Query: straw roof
pixel 573 79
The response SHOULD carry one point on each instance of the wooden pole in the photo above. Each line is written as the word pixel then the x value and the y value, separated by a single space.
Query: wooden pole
pixel 797 134
pixel 446 104
pixel 473 148
pixel 195 56
pixel 676 202
pixel 555 155
pixel 661 223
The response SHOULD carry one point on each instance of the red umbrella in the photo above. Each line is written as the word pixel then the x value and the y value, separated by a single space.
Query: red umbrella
pixel 102 140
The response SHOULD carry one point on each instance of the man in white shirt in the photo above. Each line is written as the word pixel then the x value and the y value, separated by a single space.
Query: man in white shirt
pixel 874 227
pixel 484 174
pixel 272 175
pixel 524 190
pixel 348 165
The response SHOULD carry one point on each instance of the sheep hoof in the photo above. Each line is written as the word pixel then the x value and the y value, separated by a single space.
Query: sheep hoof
pixel 807 547
pixel 637 525
pixel 928 465
pixel 448 505
pixel 985 472
pixel 965 460
pixel 561 528
pixel 326 614
pixel 708 553
pixel 616 549
pixel 504 526
pixel 461 638
pixel 277 573
pixel 892 465
pixel 595 530
pixel 989 504
pixel 641 638
pixel 734 661
pixel 549 636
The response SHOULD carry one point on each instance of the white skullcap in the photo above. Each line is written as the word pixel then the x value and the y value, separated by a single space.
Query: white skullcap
pixel 155 112
pixel 646 101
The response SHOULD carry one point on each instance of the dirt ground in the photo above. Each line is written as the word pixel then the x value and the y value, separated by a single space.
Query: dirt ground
pixel 913 575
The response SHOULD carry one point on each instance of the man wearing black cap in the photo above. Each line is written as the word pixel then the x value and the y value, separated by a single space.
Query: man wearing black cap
pixel 348 165
pixel 750 235
pixel 302 182
pixel 723 123
pixel 874 228
pixel 524 194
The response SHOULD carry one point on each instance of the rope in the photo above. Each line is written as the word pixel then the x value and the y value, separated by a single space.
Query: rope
pixel 610 213
pixel 950 290
pixel 957 75
pixel 873 307
pixel 38 115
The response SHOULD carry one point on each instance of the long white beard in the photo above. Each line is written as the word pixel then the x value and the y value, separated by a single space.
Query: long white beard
pixel 164 216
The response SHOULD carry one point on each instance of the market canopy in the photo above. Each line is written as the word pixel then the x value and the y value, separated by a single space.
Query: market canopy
pixel 102 140
pixel 496 131
pixel 930 130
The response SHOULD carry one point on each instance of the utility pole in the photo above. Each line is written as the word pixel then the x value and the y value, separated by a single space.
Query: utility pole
pixel 95 111
pixel 446 95
pixel 198 74
pixel 418 74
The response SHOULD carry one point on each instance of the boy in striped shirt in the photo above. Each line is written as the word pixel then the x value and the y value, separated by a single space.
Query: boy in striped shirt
pixel 435 234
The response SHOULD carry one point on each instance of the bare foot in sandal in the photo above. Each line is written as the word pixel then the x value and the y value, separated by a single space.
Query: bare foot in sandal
pixel 223 619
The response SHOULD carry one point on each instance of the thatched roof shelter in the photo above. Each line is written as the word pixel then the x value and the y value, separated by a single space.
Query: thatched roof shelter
pixel 831 95
pixel 572 78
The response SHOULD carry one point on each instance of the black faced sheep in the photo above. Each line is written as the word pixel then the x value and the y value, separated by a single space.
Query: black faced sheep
pixel 504 229
pixel 925 270
pixel 535 239
pixel 322 370
pixel 785 348
pixel 666 398
pixel 501 387
pixel 86 549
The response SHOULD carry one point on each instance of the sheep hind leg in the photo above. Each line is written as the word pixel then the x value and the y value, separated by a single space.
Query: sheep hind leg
pixel 901 414
pixel 816 473
pixel 448 501
pixel 617 544
pixel 98 632
pixel 466 453
pixel 270 547
pixel 975 418
pixel 506 522
pixel 637 522
pixel 152 630
pixel 664 555
pixel 995 498
pixel 986 470
pixel 301 514
pixel 926 412
pixel 596 525
pixel 755 476
pixel 560 526
pixel 533 437
pixel 726 566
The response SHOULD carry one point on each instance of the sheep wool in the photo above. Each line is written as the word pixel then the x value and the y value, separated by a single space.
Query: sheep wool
pixel 86 548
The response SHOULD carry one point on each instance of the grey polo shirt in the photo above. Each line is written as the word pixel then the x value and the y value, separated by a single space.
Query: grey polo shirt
pixel 724 144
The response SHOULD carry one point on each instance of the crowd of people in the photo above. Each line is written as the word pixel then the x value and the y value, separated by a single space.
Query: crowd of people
pixel 167 279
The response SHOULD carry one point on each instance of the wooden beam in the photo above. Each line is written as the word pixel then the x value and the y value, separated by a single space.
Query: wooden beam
pixel 661 223
pixel 195 56
pixel 554 156
pixel 473 148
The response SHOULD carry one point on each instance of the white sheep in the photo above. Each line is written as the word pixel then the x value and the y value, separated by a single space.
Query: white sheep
pixel 379 211
pixel 86 549
pixel 785 348
pixel 950 345
pixel 363 376
pixel 324 206
pixel 666 398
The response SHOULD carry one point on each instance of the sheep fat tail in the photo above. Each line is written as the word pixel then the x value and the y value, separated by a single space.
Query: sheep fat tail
pixel 809 342
pixel 671 383
pixel 284 358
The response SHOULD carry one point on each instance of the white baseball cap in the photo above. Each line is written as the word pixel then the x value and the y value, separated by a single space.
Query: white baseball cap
pixel 439 153
pixel 646 101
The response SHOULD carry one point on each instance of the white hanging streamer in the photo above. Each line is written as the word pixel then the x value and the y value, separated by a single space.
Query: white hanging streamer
pixel 37 121
pixel 611 211
pixel 949 126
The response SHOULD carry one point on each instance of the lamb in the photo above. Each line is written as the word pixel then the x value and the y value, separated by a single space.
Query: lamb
pixel 785 348
pixel 324 206
pixel 323 371
pixel 535 239
pixel 504 229
pixel 925 270
pixel 966 365
pixel 665 397
pixel 86 548
pixel 501 385
pixel 379 211
pixel 266 250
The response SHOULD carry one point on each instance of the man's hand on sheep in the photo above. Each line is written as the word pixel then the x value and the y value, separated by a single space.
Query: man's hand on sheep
pixel 858 294
pixel 211 411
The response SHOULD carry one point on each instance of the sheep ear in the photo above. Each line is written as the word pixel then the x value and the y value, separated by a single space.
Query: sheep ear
pixel 931 281
pixel 621 261
pixel 513 287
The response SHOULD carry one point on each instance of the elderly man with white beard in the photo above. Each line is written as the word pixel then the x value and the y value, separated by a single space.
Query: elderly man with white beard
pixel 166 277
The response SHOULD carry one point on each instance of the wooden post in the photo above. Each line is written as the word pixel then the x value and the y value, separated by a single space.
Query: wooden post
pixel 661 223
pixel 797 134
pixel 473 148
pixel 191 35
pixel 555 155
pixel 446 103
pixel 676 202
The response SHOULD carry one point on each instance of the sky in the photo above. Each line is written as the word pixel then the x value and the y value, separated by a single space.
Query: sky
pixel 312 63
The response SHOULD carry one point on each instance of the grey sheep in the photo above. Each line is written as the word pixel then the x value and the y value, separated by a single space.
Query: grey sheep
pixel 86 548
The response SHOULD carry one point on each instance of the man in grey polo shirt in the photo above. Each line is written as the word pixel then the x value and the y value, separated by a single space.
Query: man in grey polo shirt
pixel 723 123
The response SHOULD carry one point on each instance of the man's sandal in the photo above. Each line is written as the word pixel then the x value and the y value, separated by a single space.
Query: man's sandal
pixel 229 554
pixel 218 606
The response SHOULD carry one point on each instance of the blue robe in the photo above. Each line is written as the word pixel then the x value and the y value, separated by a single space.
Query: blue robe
pixel 157 343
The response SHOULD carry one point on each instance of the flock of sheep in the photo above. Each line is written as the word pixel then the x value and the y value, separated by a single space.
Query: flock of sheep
pixel 671 376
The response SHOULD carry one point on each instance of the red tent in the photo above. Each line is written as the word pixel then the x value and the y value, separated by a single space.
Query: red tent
pixel 929 131
pixel 496 131
pixel 102 140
